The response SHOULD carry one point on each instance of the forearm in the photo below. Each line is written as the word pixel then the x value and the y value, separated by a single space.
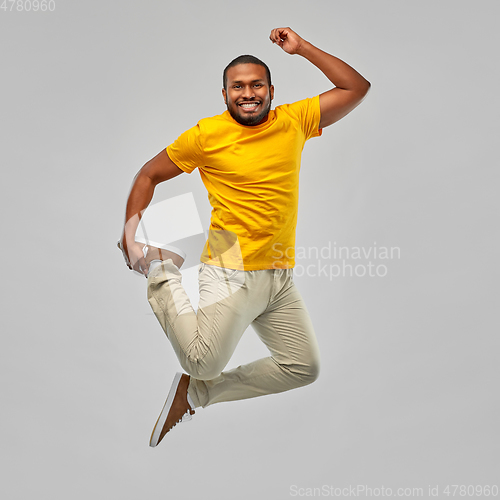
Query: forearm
pixel 337 71
pixel 139 198
pixel 157 170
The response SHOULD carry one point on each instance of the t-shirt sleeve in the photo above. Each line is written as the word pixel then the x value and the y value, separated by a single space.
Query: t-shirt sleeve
pixel 187 151
pixel 307 111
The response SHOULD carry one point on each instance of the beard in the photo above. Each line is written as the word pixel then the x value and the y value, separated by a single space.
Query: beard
pixel 249 120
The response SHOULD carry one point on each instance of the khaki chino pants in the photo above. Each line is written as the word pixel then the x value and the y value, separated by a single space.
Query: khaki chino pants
pixel 230 301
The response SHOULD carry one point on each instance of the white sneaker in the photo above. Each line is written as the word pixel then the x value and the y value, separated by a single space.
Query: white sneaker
pixel 177 408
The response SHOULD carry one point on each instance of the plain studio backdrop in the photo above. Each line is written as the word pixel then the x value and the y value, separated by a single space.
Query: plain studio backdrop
pixel 408 391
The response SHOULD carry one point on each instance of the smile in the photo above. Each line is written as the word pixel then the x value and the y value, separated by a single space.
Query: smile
pixel 249 106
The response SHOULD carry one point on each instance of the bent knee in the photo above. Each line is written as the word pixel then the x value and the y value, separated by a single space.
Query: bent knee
pixel 201 371
pixel 312 372
pixel 305 374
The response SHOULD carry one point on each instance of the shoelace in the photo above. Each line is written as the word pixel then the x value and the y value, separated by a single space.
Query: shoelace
pixel 186 417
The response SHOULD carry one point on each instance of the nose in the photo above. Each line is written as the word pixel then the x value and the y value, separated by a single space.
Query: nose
pixel 248 92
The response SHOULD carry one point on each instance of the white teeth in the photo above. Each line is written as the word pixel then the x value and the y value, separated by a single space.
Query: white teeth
pixel 249 105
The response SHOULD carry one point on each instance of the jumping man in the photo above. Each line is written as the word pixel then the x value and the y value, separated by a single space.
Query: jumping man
pixel 249 161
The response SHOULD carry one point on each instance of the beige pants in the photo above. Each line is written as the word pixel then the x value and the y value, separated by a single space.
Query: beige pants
pixel 231 300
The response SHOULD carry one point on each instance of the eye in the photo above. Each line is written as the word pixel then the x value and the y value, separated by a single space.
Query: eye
pixel 236 86
pixel 258 85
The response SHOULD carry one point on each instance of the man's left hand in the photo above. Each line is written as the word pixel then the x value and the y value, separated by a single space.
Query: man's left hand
pixel 287 39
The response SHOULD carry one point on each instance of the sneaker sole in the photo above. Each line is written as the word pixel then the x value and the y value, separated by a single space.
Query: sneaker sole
pixel 155 435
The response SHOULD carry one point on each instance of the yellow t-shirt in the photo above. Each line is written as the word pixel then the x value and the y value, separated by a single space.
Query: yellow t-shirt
pixel 252 177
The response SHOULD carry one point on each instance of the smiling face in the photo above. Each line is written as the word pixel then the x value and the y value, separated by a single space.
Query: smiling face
pixel 248 96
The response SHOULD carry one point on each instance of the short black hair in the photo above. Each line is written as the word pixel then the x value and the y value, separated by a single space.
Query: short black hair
pixel 246 59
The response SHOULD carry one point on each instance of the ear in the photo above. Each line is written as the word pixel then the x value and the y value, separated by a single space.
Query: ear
pixel 224 95
pixel 271 90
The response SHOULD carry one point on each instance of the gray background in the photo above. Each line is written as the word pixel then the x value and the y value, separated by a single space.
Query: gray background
pixel 408 393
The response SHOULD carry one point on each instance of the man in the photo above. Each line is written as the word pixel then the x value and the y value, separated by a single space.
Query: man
pixel 249 160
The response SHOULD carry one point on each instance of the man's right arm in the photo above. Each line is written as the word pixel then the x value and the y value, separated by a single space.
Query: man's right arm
pixel 159 169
